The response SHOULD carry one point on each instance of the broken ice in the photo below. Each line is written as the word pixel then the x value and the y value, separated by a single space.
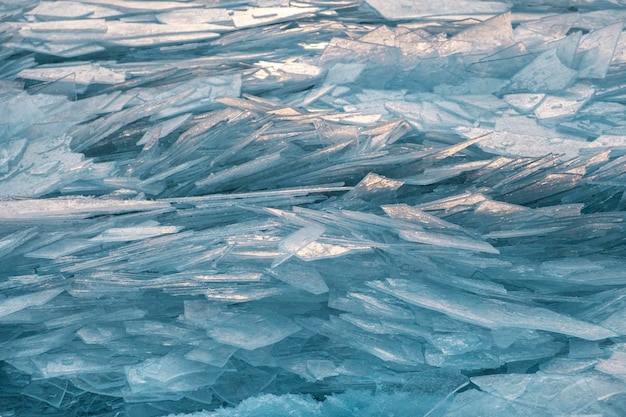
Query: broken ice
pixel 312 208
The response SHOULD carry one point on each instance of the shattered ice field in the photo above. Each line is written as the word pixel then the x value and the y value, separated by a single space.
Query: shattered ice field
pixel 261 208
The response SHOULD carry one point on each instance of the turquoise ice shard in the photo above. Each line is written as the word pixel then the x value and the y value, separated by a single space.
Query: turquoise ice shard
pixel 488 36
pixel 595 51
pixel 544 74
pixel 13 304
pixel 80 74
pixel 490 313
pixel 407 9
pixel 252 331
pixel 296 241
pixel 259 16
pixel 300 275
pixel 312 208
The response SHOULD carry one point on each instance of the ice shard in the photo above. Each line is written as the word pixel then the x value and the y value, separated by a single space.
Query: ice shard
pixel 493 315
pixel 415 10
pixel 545 74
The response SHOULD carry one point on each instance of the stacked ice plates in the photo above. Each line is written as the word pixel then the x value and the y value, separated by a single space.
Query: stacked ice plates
pixel 312 208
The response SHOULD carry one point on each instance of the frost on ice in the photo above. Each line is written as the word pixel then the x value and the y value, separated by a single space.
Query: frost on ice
pixel 312 208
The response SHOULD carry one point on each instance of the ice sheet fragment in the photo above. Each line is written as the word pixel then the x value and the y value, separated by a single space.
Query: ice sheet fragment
pixel 10 305
pixel 216 16
pixel 565 394
pixel 50 391
pixel 595 51
pixel 524 102
pixel 297 241
pixel 125 234
pixel 493 313
pixel 565 104
pixel 545 74
pixel 169 373
pixel 252 331
pixel 300 276
pixel 439 239
pixel 411 10
pixel 71 9
pixel 66 208
pixel 80 74
pixel 473 40
pixel 267 15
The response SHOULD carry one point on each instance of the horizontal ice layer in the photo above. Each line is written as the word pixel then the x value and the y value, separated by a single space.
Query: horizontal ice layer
pixel 80 74
pixel 414 10
pixel 267 15
pixel 68 208
pixel 115 32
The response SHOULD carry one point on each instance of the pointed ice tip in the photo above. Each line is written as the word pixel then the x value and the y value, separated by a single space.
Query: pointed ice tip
pixel 447 241
pixel 126 234
pixel 280 260
pixel 71 207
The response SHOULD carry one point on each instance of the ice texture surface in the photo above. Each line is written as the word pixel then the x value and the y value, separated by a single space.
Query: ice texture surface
pixel 312 208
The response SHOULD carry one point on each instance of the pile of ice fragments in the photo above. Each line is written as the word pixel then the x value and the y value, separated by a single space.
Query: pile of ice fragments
pixel 312 208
